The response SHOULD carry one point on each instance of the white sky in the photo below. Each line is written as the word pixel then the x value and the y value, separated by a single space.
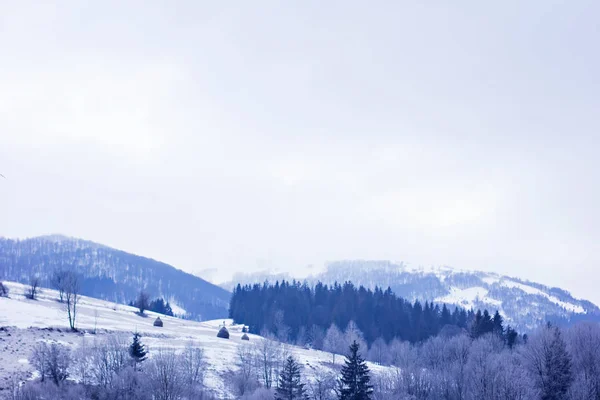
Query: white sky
pixel 272 134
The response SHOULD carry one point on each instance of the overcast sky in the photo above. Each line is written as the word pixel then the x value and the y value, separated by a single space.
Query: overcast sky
pixel 280 134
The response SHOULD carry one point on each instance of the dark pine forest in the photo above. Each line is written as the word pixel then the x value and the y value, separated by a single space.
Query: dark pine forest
pixel 298 309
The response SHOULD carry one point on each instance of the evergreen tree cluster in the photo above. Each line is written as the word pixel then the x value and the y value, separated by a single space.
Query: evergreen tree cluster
pixel 296 308
pixel 157 305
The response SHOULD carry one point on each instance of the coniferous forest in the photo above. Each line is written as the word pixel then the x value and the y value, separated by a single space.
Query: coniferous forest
pixel 293 312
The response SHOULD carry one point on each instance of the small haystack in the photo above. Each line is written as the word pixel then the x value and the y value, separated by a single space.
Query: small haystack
pixel 223 333
pixel 158 322
pixel 245 337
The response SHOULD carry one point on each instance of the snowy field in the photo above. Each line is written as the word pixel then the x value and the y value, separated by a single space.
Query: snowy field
pixel 30 320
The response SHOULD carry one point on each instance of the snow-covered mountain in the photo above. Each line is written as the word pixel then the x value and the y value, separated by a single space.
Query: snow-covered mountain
pixel 111 274
pixel 524 304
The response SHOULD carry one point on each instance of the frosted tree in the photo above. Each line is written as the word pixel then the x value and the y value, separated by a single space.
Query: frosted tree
pixel 549 364
pixel 378 352
pixel 353 334
pixel 334 341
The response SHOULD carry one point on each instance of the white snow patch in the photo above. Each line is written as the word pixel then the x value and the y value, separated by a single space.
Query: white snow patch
pixel 535 291
pixel 468 297
pixel 177 309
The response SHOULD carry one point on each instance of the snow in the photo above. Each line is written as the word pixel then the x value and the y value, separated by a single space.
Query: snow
pixel 535 291
pixel 176 333
pixel 468 297
pixel 490 280
pixel 177 309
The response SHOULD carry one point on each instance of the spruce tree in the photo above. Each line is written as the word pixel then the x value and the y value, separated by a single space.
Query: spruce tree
pixel 355 381
pixel 498 322
pixel 137 350
pixel 511 337
pixel 290 387
pixel 558 367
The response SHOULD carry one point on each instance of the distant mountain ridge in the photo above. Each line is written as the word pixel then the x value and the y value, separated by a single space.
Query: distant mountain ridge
pixel 111 274
pixel 524 304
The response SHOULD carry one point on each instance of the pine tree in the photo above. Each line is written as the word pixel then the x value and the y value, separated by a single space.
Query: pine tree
pixel 290 387
pixel 137 350
pixel 558 366
pixel 355 381
pixel 498 322
pixel 511 337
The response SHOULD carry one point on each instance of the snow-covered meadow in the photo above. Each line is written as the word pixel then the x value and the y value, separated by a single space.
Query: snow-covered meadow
pixel 30 320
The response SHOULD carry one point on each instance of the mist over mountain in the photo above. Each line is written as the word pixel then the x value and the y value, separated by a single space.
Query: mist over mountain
pixel 111 274
pixel 526 305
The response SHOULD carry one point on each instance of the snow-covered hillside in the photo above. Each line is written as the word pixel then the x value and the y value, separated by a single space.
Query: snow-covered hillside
pixel 524 304
pixel 111 274
pixel 108 318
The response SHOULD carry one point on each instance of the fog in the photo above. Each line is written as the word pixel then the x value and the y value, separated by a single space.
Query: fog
pixel 279 135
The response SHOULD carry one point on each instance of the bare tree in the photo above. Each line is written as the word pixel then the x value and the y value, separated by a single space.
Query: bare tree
pixel 334 341
pixel 51 361
pixel 164 374
pixel 34 287
pixel 583 343
pixel 192 365
pixel 71 288
pixel 244 379
pixel 39 358
pixel 378 353
pixel 266 354
pixel 109 358
pixel 143 301
pixel 83 366
pixel 353 334
pixel 282 331
pixel 96 315
pixel 321 385
pixel 58 281
pixel 401 353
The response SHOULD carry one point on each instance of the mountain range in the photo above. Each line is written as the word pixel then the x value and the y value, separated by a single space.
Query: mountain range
pixel 118 276
pixel 525 305
pixel 111 274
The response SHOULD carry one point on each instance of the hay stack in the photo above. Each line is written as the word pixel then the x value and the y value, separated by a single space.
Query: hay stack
pixel 223 333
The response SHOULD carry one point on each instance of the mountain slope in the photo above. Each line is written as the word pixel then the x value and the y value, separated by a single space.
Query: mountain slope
pixel 111 274
pixel 524 304
pixel 45 319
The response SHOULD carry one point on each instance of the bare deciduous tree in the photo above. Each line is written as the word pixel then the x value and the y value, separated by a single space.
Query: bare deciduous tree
pixel 266 354
pixel 34 287
pixel 378 353
pixel 192 367
pixel 165 377
pixel 244 379
pixel 58 282
pixel 334 342
pixel 321 384
pixel 71 287
pixel 51 362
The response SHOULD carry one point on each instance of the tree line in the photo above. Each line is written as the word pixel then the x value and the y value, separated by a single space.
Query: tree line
pixel 297 313
pixel 553 364
pixel 114 369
